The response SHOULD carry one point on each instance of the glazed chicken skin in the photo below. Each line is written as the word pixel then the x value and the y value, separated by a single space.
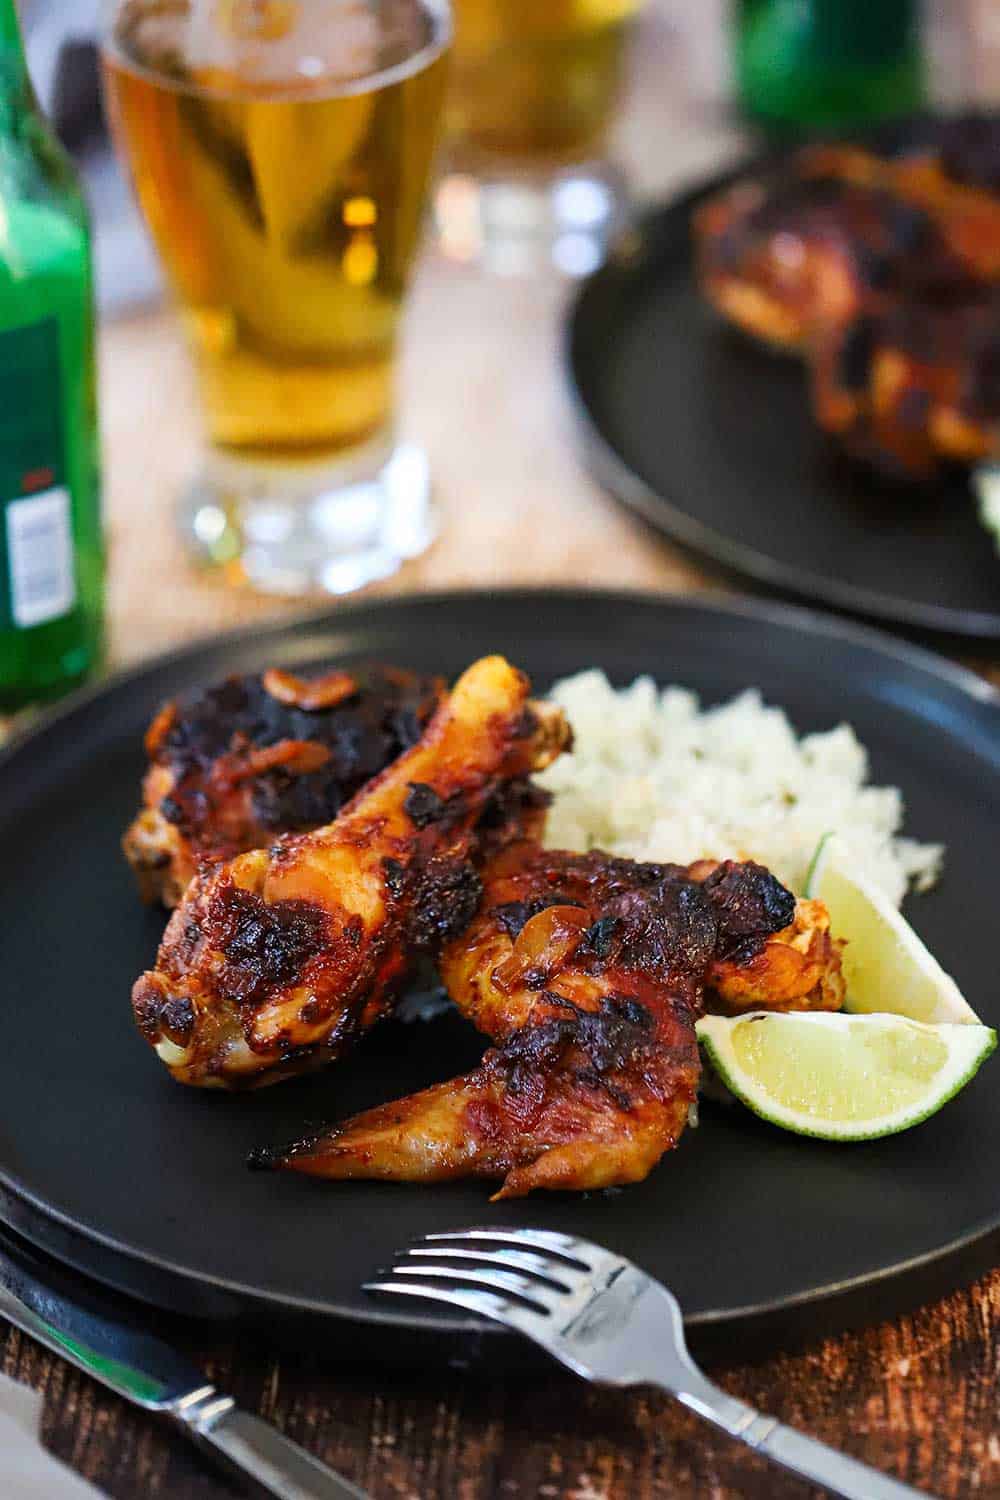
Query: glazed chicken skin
pixel 840 230
pixel 234 765
pixel 916 385
pixel 884 272
pixel 797 968
pixel 815 245
pixel 773 951
pixel 955 176
pixel 276 960
pixel 589 974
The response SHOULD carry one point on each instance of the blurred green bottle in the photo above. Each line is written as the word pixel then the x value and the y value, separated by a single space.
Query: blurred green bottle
pixel 821 64
pixel 51 551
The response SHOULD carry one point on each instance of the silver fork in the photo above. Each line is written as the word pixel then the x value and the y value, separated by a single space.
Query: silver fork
pixel 611 1323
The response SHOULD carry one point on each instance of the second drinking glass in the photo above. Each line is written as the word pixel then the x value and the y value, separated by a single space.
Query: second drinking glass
pixel 535 86
pixel 281 151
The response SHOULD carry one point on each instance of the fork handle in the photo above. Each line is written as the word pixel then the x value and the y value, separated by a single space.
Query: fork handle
pixel 846 1477
pixel 840 1474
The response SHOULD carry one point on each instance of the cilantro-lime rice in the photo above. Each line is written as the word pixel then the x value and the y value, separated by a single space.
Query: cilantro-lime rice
pixel 654 776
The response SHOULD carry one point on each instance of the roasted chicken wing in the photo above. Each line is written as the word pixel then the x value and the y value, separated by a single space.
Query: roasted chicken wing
pixel 916 384
pixel 772 952
pixel 798 968
pixel 954 174
pixel 589 973
pixel 815 244
pixel 275 960
pixel 884 271
pixel 839 230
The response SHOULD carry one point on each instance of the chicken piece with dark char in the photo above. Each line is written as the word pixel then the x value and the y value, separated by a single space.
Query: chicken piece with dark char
pixel 883 270
pixel 274 961
pixel 816 243
pixel 760 966
pixel 916 385
pixel 233 766
pixel 588 973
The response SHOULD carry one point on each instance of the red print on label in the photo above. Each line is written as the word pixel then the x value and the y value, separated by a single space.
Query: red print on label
pixel 37 479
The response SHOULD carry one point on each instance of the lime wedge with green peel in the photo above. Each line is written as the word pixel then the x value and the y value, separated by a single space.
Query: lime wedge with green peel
pixel 842 1077
pixel 886 966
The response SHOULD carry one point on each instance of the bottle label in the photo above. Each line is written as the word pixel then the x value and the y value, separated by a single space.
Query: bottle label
pixel 37 564
pixel 40 557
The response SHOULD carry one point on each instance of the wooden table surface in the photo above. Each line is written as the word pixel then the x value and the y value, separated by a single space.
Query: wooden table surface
pixel 916 1396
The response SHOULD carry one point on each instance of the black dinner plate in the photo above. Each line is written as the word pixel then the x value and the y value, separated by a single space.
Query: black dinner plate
pixel 710 438
pixel 110 1165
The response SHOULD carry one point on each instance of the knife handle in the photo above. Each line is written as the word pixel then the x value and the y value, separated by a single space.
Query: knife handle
pixel 96 1332
pixel 255 1449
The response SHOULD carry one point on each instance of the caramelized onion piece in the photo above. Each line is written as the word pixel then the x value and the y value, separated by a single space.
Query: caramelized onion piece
pixel 544 942
pixel 297 757
pixel 160 728
pixel 309 694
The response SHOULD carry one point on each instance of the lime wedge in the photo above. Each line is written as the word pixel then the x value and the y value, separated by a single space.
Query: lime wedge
pixel 842 1077
pixel 886 966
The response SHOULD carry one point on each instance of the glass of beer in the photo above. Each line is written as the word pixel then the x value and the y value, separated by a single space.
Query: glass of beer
pixel 281 151
pixel 535 86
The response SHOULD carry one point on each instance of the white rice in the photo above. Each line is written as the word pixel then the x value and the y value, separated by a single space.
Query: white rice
pixel 653 776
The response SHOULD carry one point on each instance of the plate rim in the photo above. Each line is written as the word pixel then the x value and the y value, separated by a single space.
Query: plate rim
pixel 659 508
pixel 800 619
pixel 721 601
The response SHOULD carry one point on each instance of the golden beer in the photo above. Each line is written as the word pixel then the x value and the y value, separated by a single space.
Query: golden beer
pixel 281 152
pixel 536 80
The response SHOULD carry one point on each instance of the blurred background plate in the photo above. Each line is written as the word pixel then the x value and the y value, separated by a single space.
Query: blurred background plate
pixel 710 438
pixel 106 1162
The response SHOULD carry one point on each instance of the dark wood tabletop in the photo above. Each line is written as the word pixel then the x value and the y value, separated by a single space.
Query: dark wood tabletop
pixel 916 1397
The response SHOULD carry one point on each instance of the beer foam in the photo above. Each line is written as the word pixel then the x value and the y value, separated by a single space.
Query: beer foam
pixel 279 47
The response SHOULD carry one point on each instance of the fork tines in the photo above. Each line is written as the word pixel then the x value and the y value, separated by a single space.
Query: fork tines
pixel 516 1276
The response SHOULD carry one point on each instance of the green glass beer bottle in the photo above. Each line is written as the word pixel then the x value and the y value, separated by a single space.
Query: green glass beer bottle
pixel 821 64
pixel 51 551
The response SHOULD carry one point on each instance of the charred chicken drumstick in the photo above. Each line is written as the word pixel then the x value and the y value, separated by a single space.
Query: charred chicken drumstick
pixel 589 974
pixel 275 960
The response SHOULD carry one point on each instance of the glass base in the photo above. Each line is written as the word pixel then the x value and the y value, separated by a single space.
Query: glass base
pixel 519 223
pixel 300 528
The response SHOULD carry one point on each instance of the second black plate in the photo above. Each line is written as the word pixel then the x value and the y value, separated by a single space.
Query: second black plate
pixel 711 439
